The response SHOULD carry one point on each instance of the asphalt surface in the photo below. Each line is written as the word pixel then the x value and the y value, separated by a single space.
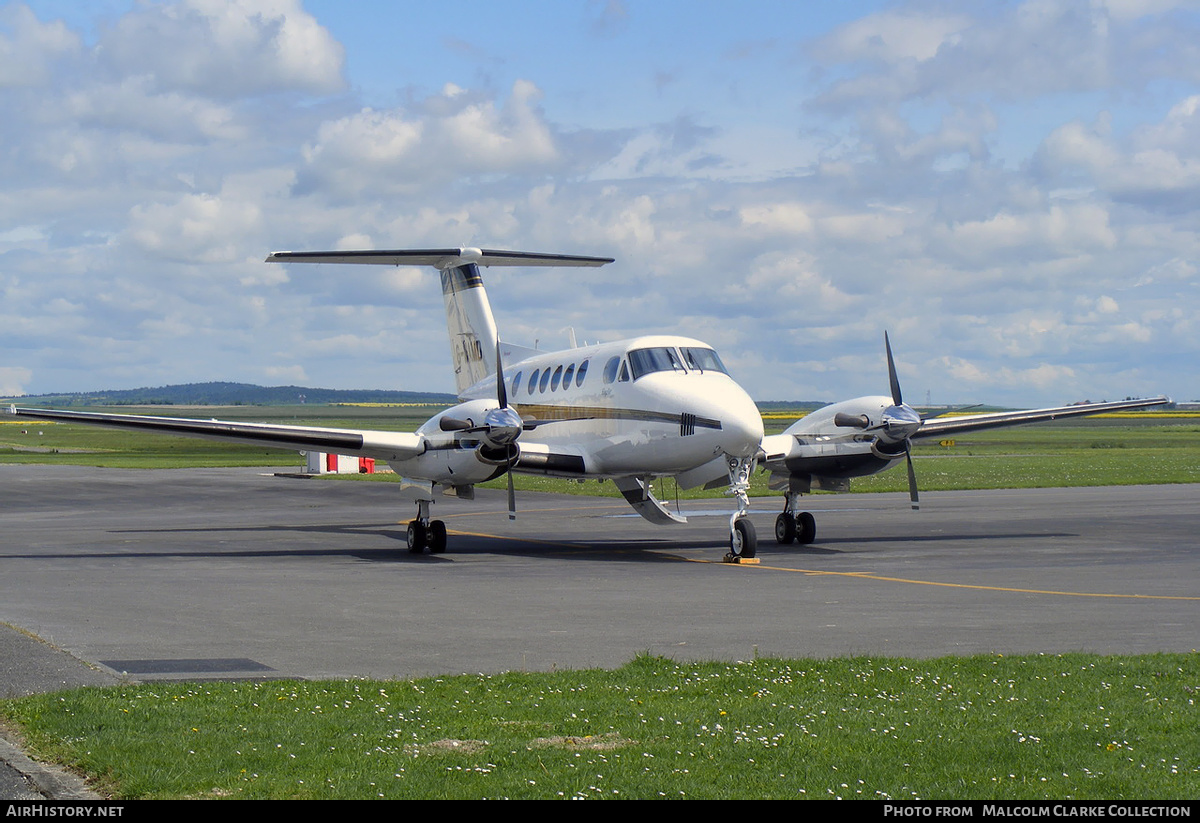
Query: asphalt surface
pixel 229 573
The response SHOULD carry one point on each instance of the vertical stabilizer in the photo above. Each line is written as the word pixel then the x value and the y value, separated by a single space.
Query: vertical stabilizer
pixel 470 323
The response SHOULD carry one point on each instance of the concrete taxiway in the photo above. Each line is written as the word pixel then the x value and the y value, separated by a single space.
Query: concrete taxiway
pixel 201 573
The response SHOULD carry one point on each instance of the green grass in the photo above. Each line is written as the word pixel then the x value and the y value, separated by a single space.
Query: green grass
pixel 45 442
pixel 1097 452
pixel 1076 453
pixel 984 727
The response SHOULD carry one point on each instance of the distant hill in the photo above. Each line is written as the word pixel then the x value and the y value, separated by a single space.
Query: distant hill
pixel 231 394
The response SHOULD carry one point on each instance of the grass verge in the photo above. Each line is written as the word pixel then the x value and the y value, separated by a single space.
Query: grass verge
pixel 984 727
pixel 1131 450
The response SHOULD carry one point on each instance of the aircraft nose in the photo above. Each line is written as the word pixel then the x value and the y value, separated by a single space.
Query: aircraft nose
pixel 742 425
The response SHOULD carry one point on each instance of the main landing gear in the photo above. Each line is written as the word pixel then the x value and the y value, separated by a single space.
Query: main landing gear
pixel 793 526
pixel 424 533
pixel 743 541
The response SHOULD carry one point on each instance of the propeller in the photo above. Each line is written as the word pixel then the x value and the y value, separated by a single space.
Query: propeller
pixel 851 421
pixel 499 432
pixel 507 427
pixel 502 397
pixel 901 422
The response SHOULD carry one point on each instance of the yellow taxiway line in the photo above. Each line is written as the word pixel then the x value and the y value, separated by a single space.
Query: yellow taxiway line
pixel 869 576
pixel 821 572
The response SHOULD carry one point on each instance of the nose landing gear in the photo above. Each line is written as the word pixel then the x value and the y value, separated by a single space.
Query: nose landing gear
pixel 743 541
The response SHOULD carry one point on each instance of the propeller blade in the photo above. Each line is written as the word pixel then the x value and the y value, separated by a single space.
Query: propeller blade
pixel 912 478
pixel 902 422
pixel 893 379
pixel 529 424
pixel 502 399
pixel 453 424
pixel 851 421
pixel 501 391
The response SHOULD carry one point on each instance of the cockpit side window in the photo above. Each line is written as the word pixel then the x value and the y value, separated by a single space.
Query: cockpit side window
pixel 646 361
pixel 610 369
pixel 702 359
pixel 624 376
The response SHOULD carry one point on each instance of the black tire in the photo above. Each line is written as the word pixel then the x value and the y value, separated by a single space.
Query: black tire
pixel 743 543
pixel 785 529
pixel 437 537
pixel 806 528
pixel 417 537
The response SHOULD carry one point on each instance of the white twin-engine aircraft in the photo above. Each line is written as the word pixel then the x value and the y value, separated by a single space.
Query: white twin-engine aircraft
pixel 631 411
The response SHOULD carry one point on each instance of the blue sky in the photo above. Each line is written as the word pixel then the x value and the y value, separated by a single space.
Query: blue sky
pixel 1009 188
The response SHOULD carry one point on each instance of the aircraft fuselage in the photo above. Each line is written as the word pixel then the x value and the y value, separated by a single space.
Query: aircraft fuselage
pixel 650 406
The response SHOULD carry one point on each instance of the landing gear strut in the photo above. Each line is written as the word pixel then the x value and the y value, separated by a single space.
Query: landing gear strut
pixel 743 541
pixel 800 527
pixel 424 533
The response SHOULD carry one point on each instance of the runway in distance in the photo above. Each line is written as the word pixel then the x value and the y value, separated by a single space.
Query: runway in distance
pixel 631 411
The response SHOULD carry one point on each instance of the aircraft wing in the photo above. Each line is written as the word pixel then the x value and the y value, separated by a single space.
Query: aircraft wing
pixel 438 258
pixel 940 427
pixel 379 445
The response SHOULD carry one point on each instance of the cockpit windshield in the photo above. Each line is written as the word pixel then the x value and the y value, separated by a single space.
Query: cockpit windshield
pixel 702 359
pixel 645 361
pixel 666 358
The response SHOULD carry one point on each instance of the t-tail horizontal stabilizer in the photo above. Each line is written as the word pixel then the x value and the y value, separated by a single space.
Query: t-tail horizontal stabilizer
pixel 438 258
pixel 469 320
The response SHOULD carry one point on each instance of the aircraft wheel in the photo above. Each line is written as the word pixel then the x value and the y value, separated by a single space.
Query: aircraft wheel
pixel 437 537
pixel 743 542
pixel 417 537
pixel 785 529
pixel 806 528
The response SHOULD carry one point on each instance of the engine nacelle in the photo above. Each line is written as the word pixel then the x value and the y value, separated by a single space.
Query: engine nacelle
pixel 498 455
pixel 887 451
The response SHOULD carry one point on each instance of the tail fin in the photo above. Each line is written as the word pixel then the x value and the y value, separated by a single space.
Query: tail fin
pixel 470 323
pixel 468 312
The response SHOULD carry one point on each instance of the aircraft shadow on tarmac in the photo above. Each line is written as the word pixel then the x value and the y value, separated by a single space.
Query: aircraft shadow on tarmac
pixel 598 549
pixel 594 549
